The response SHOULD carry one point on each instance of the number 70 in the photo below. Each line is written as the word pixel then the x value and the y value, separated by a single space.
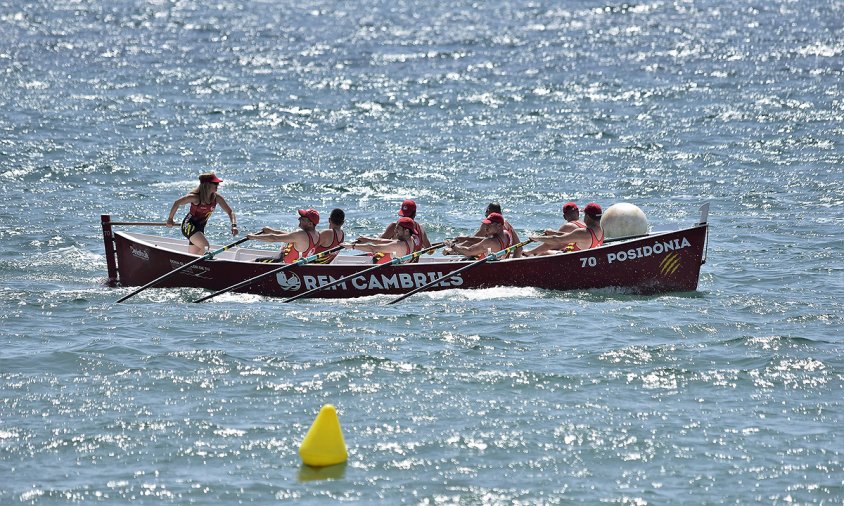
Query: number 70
pixel 588 261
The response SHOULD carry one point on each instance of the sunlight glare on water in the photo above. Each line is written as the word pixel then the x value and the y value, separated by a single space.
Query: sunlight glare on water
pixel 730 393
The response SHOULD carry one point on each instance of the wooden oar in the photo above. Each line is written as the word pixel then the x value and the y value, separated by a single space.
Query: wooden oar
pixel 147 223
pixel 606 241
pixel 394 261
pixel 301 261
pixel 206 256
pixel 488 258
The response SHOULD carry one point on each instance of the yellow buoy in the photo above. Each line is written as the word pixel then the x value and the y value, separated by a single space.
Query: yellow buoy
pixel 324 444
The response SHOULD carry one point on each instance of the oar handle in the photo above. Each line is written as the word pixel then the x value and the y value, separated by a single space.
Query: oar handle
pixel 301 261
pixel 406 258
pixel 206 256
pixel 508 249
pixel 144 223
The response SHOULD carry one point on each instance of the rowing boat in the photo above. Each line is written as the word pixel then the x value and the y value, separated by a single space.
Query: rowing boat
pixel 659 262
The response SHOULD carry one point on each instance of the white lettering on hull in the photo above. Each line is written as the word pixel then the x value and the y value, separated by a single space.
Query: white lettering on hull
pixel 403 281
pixel 195 270
pixel 656 248
pixel 139 252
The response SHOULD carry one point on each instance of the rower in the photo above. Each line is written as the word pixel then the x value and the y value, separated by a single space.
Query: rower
pixel 408 210
pixel 331 236
pixel 300 243
pixel 483 232
pixel 384 249
pixel 571 214
pixel 497 238
pixel 583 238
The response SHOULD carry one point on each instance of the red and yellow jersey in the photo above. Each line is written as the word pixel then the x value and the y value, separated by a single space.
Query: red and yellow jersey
pixel 290 254
pixel 504 243
pixel 199 213
pixel 595 242
pixel 410 246
pixel 339 235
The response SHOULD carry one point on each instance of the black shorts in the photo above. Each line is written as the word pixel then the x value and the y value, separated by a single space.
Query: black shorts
pixel 190 227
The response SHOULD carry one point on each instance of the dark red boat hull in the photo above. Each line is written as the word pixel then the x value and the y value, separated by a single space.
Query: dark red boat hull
pixel 665 262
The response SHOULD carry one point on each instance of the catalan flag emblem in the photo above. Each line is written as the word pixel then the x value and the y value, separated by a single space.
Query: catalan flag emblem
pixel 670 264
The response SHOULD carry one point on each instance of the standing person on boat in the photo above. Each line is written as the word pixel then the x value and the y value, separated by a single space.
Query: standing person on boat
pixel 580 239
pixel 331 236
pixel 300 243
pixel 571 214
pixel 203 200
pixel 403 244
pixel 497 238
pixel 408 210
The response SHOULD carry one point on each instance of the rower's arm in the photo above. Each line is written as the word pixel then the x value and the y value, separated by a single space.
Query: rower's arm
pixel 553 236
pixel 424 239
pixel 468 241
pixel 384 247
pixel 476 249
pixel 373 240
pixel 229 211
pixel 273 237
pixel 558 240
pixel 187 199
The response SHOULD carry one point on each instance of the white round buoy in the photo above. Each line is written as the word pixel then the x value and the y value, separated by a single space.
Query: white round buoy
pixel 623 220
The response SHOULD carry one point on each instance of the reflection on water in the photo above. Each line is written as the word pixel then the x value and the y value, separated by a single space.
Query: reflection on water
pixel 310 473
pixel 485 397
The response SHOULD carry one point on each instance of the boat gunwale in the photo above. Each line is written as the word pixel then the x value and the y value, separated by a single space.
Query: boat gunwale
pixel 141 239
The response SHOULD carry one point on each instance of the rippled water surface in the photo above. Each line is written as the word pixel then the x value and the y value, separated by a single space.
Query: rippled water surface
pixel 730 394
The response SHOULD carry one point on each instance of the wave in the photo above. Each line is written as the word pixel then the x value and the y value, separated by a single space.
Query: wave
pixel 56 261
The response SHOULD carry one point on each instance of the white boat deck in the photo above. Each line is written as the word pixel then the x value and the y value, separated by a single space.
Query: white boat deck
pixel 239 254
pixel 346 257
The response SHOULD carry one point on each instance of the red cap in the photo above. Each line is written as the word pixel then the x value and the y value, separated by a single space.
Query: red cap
pixel 209 178
pixel 310 214
pixel 493 218
pixel 570 206
pixel 593 210
pixel 408 208
pixel 407 223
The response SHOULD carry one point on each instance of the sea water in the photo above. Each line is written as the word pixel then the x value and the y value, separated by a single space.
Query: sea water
pixel 728 394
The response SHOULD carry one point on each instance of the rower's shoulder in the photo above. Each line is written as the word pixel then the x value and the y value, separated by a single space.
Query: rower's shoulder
pixel 190 198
